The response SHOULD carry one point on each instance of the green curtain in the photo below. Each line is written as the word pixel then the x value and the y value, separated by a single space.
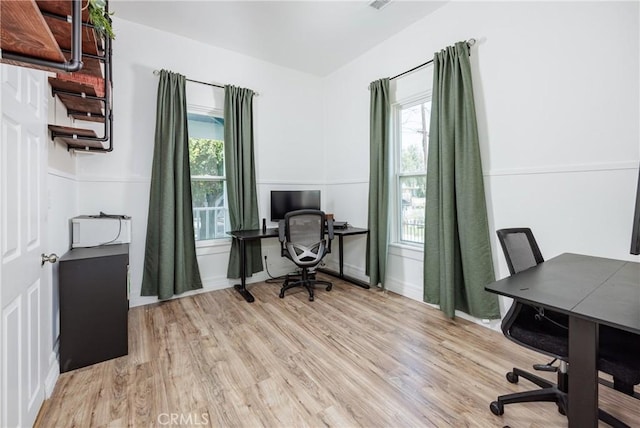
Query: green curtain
pixel 170 264
pixel 458 261
pixel 379 179
pixel 240 170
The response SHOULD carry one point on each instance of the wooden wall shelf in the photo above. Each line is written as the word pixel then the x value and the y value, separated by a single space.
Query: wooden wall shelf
pixel 62 32
pixel 25 31
pixel 80 87
pixel 54 11
pixel 82 108
pixel 76 138
pixel 40 30
pixel 61 8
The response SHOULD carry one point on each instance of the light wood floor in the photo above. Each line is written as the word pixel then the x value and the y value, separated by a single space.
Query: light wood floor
pixel 351 358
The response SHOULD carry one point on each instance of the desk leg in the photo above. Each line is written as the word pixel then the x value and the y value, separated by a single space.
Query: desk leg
pixel 583 376
pixel 341 255
pixel 340 274
pixel 242 287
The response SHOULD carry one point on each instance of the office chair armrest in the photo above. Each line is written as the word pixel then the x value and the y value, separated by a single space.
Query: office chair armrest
pixel 281 226
pixel 281 238
pixel 330 234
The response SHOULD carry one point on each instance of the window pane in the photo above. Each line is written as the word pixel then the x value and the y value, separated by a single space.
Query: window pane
pixel 206 160
pixel 205 126
pixel 414 137
pixel 209 209
pixel 412 191
pixel 206 157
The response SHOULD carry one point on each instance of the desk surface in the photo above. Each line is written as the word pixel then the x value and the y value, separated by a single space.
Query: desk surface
pixel 272 232
pixel 617 301
pixel 350 230
pixel 252 234
pixel 606 291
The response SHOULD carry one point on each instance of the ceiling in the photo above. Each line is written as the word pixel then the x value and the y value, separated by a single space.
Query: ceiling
pixel 315 37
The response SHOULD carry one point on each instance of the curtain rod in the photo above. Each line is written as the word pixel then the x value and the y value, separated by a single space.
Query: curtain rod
pixel 470 43
pixel 157 73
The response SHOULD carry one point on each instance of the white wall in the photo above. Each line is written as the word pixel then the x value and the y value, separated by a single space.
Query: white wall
pixel 557 99
pixel 288 135
pixel 557 93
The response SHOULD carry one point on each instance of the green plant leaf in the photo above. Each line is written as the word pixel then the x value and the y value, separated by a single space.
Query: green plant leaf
pixel 100 18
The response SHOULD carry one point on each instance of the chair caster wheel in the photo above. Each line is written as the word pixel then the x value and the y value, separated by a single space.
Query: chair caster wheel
pixel 329 287
pixel 282 295
pixel 512 377
pixel 561 410
pixel 311 298
pixel 497 408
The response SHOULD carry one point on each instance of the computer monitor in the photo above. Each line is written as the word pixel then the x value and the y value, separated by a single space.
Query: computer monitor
pixel 283 201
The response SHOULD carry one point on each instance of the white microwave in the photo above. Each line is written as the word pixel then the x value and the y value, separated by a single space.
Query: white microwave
pixel 103 229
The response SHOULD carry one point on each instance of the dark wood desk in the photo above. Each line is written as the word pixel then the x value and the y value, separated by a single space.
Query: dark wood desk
pixel 592 291
pixel 253 235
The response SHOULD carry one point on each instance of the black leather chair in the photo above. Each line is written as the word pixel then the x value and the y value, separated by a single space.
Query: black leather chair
pixel 302 239
pixel 547 332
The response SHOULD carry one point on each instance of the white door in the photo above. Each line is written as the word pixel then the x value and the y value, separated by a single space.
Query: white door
pixel 25 290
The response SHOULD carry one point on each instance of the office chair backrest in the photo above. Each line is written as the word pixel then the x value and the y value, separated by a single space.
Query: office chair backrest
pixel 522 252
pixel 305 227
pixel 520 248
pixel 302 240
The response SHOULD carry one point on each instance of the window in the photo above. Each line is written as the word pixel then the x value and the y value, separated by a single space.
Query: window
pixel 208 183
pixel 411 142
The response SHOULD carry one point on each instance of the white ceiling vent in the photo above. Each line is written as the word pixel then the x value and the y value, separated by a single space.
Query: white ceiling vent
pixel 379 4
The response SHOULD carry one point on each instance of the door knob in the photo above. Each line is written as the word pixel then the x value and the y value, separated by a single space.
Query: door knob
pixel 51 258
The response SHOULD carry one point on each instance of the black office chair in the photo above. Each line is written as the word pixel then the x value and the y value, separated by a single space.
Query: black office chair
pixel 302 239
pixel 619 356
pixel 533 328
pixel 543 331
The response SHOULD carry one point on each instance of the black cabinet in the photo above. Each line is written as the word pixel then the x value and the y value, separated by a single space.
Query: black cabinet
pixel 94 304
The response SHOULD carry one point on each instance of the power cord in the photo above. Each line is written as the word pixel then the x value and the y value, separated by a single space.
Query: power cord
pixel 540 315
pixel 114 239
pixel 117 236
pixel 272 279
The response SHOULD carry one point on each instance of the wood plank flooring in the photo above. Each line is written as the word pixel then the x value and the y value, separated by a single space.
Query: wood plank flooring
pixel 351 358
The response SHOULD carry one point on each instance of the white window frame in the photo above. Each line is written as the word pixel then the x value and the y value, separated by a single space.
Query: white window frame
pixel 396 194
pixel 214 112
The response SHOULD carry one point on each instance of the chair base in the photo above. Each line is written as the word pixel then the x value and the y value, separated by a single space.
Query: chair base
pixel 550 392
pixel 307 281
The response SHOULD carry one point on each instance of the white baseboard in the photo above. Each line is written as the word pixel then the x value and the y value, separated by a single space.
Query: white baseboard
pixel 52 374
pixel 404 289
pixel 349 270
pixel 412 291
pixel 208 284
